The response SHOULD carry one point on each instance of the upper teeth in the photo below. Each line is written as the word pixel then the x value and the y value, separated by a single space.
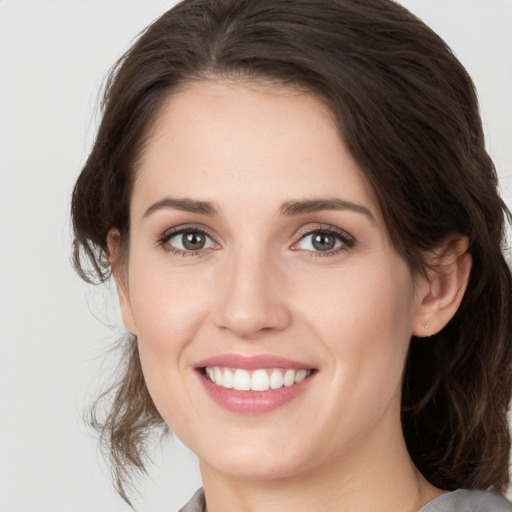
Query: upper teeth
pixel 257 380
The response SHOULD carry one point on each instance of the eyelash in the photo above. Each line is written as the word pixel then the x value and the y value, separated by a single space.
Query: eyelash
pixel 165 237
pixel 347 241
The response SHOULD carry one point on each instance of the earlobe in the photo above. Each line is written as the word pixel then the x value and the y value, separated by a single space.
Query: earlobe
pixel 439 296
pixel 119 273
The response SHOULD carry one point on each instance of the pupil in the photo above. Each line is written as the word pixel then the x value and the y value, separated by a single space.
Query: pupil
pixel 193 240
pixel 323 241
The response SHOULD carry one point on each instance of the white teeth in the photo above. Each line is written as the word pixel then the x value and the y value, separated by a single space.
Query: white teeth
pixel 276 379
pixel 218 377
pixel 228 379
pixel 242 380
pixel 301 375
pixel 289 378
pixel 259 380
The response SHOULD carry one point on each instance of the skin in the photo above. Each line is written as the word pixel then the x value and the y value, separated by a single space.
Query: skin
pixel 260 287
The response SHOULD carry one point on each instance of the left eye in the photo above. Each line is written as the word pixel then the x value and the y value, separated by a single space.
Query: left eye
pixel 320 241
pixel 190 240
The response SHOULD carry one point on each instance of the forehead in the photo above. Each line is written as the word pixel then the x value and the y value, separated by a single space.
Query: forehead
pixel 225 140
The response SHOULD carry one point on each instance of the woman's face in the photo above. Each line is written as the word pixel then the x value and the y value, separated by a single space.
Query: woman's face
pixel 258 257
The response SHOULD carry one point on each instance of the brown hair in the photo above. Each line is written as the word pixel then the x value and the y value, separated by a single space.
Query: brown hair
pixel 408 113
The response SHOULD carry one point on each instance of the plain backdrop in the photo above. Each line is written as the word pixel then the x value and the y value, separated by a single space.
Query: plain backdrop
pixel 55 330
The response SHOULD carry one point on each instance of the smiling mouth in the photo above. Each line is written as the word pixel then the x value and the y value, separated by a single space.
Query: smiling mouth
pixel 266 379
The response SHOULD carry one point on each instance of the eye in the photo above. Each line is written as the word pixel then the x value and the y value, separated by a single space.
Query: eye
pixel 327 241
pixel 187 241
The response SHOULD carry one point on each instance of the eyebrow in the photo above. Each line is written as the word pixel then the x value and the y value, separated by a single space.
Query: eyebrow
pixel 185 204
pixel 316 205
pixel 288 209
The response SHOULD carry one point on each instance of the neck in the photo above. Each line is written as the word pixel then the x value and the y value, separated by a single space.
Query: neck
pixel 376 476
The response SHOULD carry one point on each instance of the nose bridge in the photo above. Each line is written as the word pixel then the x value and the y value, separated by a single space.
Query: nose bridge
pixel 251 301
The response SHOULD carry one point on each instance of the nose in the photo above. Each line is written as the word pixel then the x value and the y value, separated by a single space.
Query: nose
pixel 252 299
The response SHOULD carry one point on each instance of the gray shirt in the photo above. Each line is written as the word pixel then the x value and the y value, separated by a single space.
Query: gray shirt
pixel 468 501
pixel 456 501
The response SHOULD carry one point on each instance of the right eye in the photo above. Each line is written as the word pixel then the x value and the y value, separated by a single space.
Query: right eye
pixel 188 241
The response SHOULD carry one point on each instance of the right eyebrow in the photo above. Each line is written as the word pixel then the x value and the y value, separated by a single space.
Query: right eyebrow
pixel 186 205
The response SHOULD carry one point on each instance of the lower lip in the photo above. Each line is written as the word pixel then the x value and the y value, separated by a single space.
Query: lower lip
pixel 253 402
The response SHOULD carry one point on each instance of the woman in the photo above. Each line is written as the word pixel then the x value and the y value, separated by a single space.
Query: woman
pixel 297 206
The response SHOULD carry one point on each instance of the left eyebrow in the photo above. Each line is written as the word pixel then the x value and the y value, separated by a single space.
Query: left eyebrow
pixel 290 208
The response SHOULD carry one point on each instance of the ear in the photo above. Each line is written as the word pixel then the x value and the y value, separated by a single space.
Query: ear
pixel 119 268
pixel 439 294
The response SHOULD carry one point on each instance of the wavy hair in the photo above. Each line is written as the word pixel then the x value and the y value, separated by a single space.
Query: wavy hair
pixel 408 113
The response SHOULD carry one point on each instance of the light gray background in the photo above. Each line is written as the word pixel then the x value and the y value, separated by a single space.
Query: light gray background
pixel 53 57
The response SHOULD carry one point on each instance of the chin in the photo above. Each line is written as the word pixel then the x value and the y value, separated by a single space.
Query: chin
pixel 250 468
pixel 253 460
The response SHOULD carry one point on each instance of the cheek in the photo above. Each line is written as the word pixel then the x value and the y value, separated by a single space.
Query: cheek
pixel 167 307
pixel 366 332
pixel 363 320
pixel 360 299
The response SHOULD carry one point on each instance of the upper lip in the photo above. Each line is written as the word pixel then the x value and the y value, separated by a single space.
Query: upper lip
pixel 251 362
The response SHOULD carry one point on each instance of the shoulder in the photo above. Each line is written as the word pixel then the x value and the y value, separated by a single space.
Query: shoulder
pixel 457 501
pixel 464 500
pixel 196 503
